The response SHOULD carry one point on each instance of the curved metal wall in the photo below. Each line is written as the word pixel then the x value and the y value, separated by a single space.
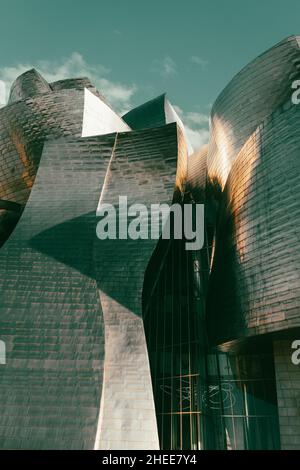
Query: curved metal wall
pixel 253 94
pixel 145 167
pixel 253 170
pixel 147 115
pixel 154 113
pixel 28 84
pixel 38 111
pixel 24 126
pixel 256 269
pixel 56 279
pixel 50 312
pixel 71 305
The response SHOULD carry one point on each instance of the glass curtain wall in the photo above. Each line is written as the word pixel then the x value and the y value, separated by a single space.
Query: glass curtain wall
pixel 204 399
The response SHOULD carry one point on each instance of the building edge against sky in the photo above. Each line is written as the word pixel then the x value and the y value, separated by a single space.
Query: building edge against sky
pixel 137 344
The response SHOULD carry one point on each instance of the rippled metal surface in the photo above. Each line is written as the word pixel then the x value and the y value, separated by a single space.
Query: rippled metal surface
pixel 253 177
pixel 70 310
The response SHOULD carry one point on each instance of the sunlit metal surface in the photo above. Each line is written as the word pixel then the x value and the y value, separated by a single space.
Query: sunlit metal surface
pixel 253 175
pixel 85 321
pixel 71 303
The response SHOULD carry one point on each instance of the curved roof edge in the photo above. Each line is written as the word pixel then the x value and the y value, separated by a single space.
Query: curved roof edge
pixel 28 84
pixel 293 38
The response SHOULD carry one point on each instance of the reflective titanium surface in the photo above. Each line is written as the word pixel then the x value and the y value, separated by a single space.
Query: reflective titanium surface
pixel 134 344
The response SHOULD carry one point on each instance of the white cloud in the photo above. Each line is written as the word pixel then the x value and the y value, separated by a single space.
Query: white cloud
pixel 165 67
pixel 195 59
pixel 117 94
pixel 196 125
pixel 196 118
pixel 197 137
pixel 168 66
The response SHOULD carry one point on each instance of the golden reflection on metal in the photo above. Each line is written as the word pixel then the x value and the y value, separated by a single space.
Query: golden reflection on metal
pixel 222 161
pixel 181 173
pixel 20 147
pixel 237 193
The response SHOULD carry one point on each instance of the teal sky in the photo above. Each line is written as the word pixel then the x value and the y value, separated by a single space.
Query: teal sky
pixel 190 48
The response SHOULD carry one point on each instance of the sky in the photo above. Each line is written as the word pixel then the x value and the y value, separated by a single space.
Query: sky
pixel 134 50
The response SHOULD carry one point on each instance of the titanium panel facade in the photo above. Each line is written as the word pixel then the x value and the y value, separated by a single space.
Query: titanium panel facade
pixel 257 261
pixel 256 264
pixel 153 113
pixel 253 186
pixel 24 126
pixel 134 344
pixel 71 303
pixel 128 417
pixel 253 94
pixel 50 311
